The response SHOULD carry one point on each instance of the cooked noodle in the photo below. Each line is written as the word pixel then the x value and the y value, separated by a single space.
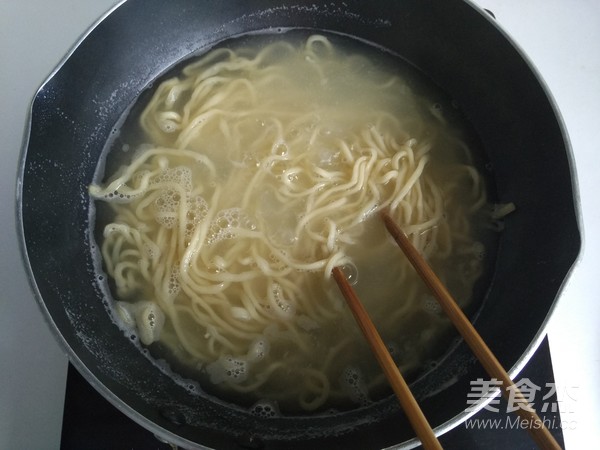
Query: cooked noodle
pixel 266 170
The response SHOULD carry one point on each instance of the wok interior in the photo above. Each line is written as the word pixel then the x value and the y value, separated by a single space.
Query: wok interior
pixel 456 46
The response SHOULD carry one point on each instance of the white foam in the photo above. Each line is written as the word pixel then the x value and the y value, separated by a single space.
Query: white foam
pixel 150 320
pixel 282 306
pixel 353 384
pixel 125 313
pixel 228 368
pixel 115 228
pixel 306 323
pixel 265 409
pixel 197 211
pixel 152 250
pixel 431 305
pixel 174 286
pixel 223 225
pixel 259 349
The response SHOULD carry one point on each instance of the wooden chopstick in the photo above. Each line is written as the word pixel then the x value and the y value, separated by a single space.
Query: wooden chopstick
pixel 390 369
pixel 538 431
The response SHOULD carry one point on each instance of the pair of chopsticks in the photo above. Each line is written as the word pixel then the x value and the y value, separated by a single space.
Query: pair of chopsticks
pixel 417 419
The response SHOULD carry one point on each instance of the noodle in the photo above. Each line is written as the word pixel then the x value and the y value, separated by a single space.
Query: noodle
pixel 266 170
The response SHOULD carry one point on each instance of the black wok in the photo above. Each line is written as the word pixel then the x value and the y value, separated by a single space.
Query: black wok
pixel 459 47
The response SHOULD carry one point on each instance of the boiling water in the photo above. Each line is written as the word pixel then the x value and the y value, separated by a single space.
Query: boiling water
pixel 296 348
